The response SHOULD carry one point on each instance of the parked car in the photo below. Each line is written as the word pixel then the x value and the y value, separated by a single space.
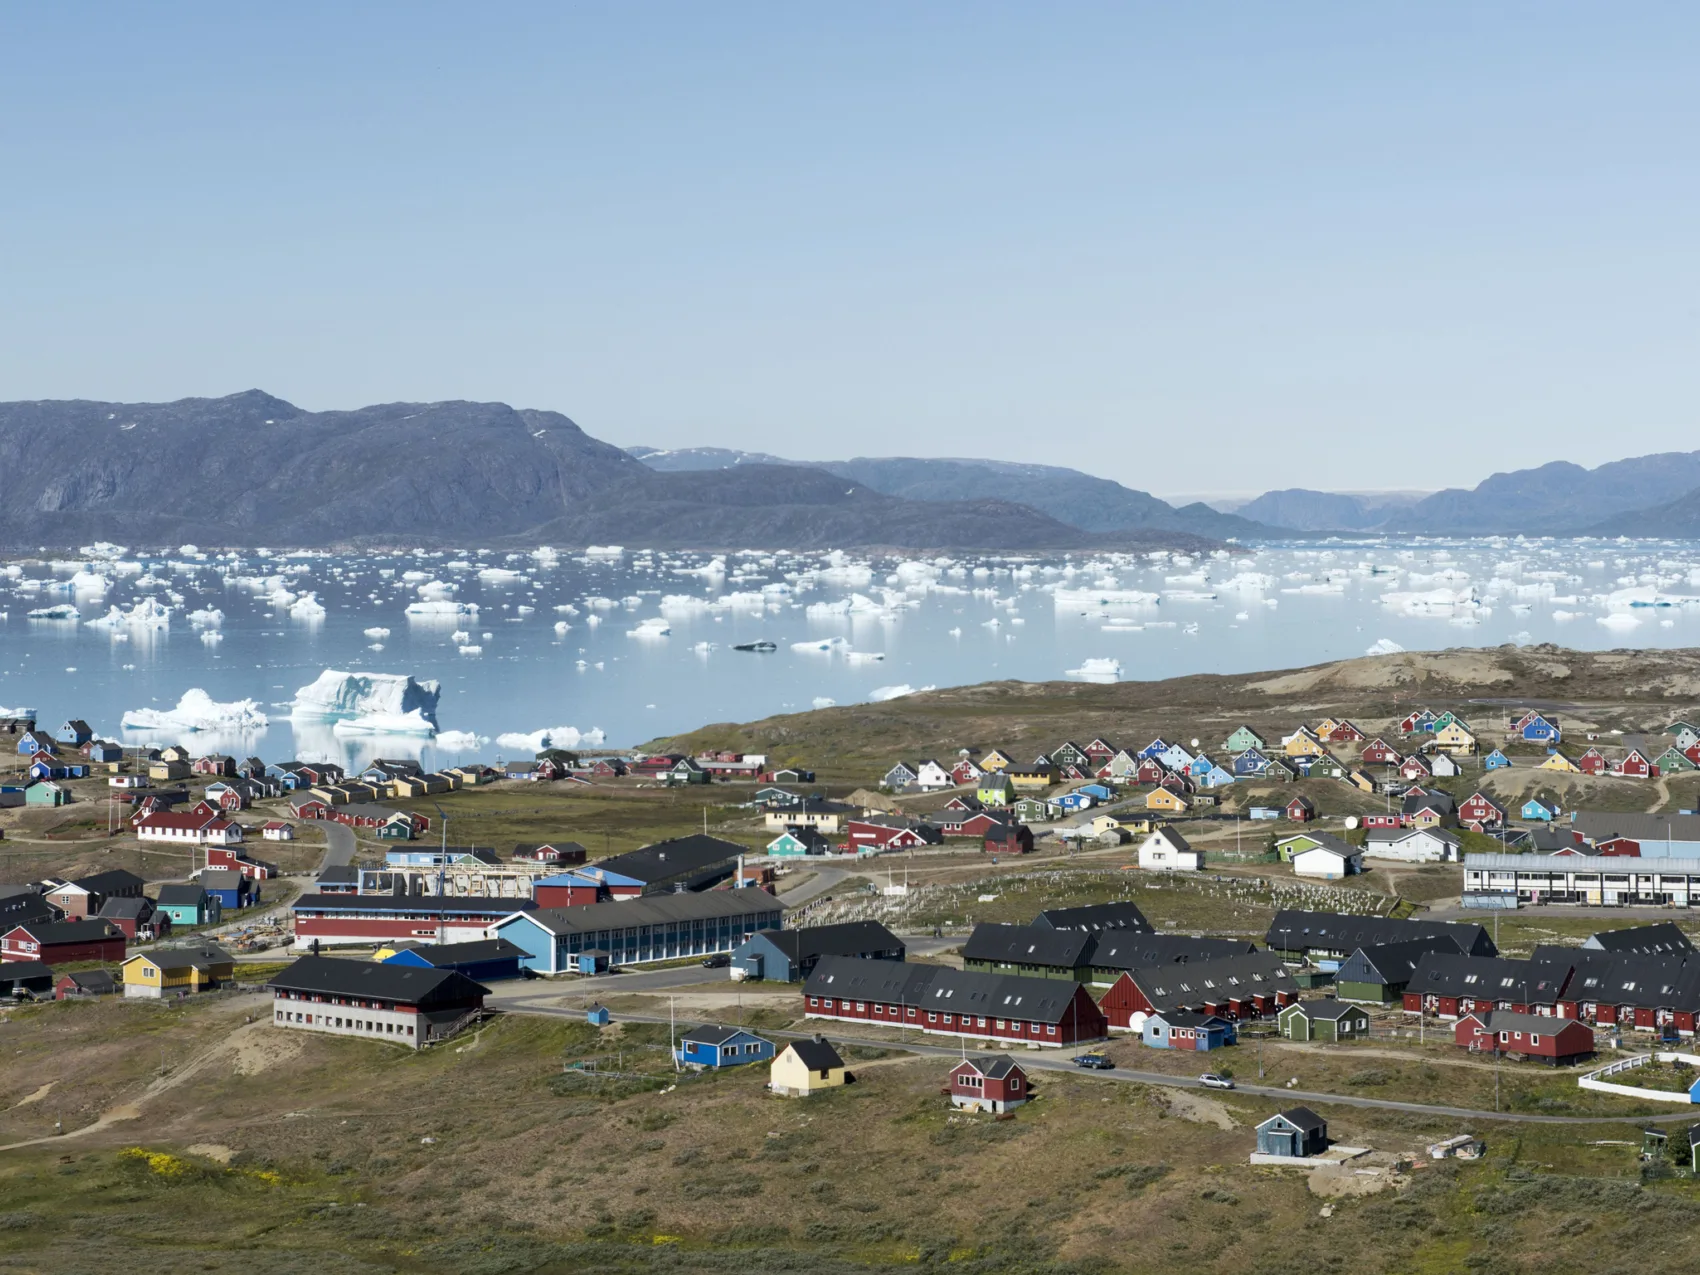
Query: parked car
pixel 1210 1080
pixel 1094 1062
pixel 718 961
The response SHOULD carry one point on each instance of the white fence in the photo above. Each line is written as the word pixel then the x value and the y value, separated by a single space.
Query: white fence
pixel 1592 1080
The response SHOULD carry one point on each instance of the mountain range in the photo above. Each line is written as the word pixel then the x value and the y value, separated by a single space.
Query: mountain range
pixel 252 469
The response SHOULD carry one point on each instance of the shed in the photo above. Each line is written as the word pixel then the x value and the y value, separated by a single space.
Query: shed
pixel 85 983
pixel 804 1067
pixel 1331 1020
pixel 1297 1132
pixel 598 1016
pixel 26 980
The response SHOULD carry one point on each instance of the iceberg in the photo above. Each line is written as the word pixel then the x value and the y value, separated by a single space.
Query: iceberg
pixel 307 607
pixel 377 634
pixel 197 712
pixel 1102 671
pixel 412 722
pixel 1385 646
pixel 880 694
pixel 64 611
pixel 654 627
pixel 551 737
pixel 207 618
pixel 440 609
pixel 825 701
pixel 337 696
pixel 461 741
pixel 209 637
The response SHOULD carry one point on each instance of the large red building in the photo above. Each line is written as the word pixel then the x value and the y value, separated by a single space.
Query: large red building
pixel 939 1000
pixel 1232 987
pixel 56 942
pixel 1554 1041
pixel 367 920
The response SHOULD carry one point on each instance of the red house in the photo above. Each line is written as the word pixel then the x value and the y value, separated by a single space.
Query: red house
pixel 885 833
pixel 978 825
pixel 1100 751
pixel 966 772
pixel 548 852
pixel 1416 768
pixel 1635 766
pixel 1592 762
pixel 1009 839
pixel 1301 809
pixel 1345 733
pixel 1557 1042
pixel 1233 987
pixel 1622 847
pixel 1378 752
pixel 310 808
pixel 1150 771
pixel 58 942
pixel 988 1084
pixel 1380 821
pixel 1481 813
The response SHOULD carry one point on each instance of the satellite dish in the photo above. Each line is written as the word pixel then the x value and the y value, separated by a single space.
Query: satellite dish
pixel 1195 743
pixel 1351 822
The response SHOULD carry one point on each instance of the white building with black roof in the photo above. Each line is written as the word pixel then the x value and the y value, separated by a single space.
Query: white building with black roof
pixel 401 1004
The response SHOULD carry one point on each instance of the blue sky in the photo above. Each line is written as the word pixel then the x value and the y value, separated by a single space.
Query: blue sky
pixel 1194 250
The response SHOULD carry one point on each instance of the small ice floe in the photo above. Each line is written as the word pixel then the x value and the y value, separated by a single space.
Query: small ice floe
pixel 1242 615
pixel 824 701
pixel 536 741
pixel 377 634
pixel 654 627
pixel 470 650
pixel 460 637
pixel 823 644
pixel 460 741
pixel 864 657
pixel 1619 621
pixel 1563 616
pixel 561 628
pixel 207 618
pixel 372 646
pixel 1385 646
pixel 1102 671
pixel 957 632
pixel 210 637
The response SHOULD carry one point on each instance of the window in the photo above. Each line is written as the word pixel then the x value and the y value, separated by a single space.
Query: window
pixel 932 1017
pixel 1050 1031
pixel 812 1002
pixel 1534 1039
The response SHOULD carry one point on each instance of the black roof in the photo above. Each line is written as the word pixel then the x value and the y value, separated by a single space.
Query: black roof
pixel 1188 1018
pixel 1326 1009
pixel 178 895
pixel 940 987
pixel 340 874
pixel 24 971
pixel 443 955
pixel 1339 932
pixel 816 1054
pixel 1391 962
pixel 202 956
pixel 1028 945
pixel 107 882
pixel 568 848
pixel 1128 949
pixel 422 904
pixel 651 909
pixel 1646 982
pixel 1120 915
pixel 126 909
pixel 1303 1119
pixel 222 878
pixel 1429 800
pixel 678 856
pixel 25 908
pixel 1499 978
pixel 852 938
pixel 992 1067
pixel 407 984
pixel 1174 986
pixel 99 981
pixel 1642 940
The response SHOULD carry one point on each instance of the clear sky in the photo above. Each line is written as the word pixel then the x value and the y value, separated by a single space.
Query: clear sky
pixel 1194 248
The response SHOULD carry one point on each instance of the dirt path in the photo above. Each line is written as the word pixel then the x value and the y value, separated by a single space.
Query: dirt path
pixel 1663 798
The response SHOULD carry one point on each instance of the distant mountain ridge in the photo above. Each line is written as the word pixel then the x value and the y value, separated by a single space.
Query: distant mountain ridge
pixel 1068 495
pixel 253 469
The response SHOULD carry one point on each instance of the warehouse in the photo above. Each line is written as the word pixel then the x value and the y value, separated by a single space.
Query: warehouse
pixel 367 920
pixel 659 927
pixel 400 1004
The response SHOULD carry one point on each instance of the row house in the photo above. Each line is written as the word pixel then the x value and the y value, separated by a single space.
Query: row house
pixel 1449 985
pixel 1658 994
pixel 938 1000
pixel 1231 987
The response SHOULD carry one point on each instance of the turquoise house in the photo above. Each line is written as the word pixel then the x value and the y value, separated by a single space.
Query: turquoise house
pixel 189 905
pixel 1536 809
pixel 1496 760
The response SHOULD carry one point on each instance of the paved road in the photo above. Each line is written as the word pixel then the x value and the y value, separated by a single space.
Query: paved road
pixel 824 879
pixel 1035 1061
pixel 339 845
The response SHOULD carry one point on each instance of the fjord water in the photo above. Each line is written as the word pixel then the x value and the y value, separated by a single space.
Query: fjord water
pixel 624 647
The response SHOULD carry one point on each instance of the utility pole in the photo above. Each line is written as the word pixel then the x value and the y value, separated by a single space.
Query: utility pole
pixel 672 1043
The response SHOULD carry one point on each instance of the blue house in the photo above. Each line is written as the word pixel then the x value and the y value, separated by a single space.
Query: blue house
pixel 1298 1131
pixel 1216 778
pixel 1175 757
pixel 1070 802
pixel 1496 760
pixel 76 732
pixel 230 887
pixel 1200 766
pixel 479 960
pixel 32 742
pixel 1538 730
pixel 713 1046
pixel 598 1016
pixel 1535 808
pixel 1154 749
pixel 1098 792
pixel 1250 762
pixel 104 751
pixel 46 767
pixel 1184 1029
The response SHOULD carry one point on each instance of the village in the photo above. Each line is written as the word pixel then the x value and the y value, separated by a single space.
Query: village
pixel 402 938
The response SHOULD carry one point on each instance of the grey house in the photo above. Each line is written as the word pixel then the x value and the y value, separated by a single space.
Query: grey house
pixel 789 956
pixel 1298 1131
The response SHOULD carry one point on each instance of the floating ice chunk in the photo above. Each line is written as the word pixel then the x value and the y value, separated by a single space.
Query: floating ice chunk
pixel 441 609
pixel 561 627
pixel 413 722
pixel 206 618
pixel 336 695
pixel 307 607
pixel 209 637
pixel 823 644
pixel 375 646
pixel 1242 615
pixel 1385 646
pixel 864 657
pixel 568 737
pixel 1097 670
pixel 197 711
pixel 64 611
pixel 461 741
pixel 378 633
pixel 654 627
pixel 824 701
pixel 1562 616
pixel 145 614
pixel 470 650
pixel 880 694
pixel 499 575
pixel 1619 621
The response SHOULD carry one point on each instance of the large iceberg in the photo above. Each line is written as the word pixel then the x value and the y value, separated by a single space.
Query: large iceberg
pixel 369 703
pixel 551 737
pixel 199 712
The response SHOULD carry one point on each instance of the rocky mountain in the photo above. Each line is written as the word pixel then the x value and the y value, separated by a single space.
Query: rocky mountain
pixel 1067 495
pixel 1677 519
pixel 1300 509
pixel 1557 497
pixel 253 469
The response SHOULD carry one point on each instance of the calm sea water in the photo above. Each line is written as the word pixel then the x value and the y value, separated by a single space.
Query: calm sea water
pixel 647 644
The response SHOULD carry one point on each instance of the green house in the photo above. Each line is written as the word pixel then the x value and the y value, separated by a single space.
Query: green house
pixel 189 905
pixel 1334 1021
pixel 1673 760
pixel 1378 975
pixel 45 792
pixel 1243 738
pixel 995 789
pixel 1031 951
pixel 1033 810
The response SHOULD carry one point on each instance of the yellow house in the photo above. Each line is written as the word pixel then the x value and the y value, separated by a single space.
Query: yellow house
pixel 1304 743
pixel 1163 799
pixel 168 971
pixel 1103 824
pixel 1326 727
pixel 1361 780
pixel 804 1067
pixel 1558 761
pixel 996 760
pixel 164 769
pixel 1455 738
pixel 1036 779
pixel 1138 823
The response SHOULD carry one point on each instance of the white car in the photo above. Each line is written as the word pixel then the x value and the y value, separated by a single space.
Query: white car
pixel 1210 1080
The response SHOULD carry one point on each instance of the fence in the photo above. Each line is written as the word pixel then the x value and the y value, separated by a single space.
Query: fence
pixel 1592 1080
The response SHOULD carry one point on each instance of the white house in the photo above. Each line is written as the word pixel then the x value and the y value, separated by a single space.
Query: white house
pixel 1167 851
pixel 277 830
pixel 1442 766
pixel 1413 845
pixel 930 775
pixel 209 830
pixel 1327 863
